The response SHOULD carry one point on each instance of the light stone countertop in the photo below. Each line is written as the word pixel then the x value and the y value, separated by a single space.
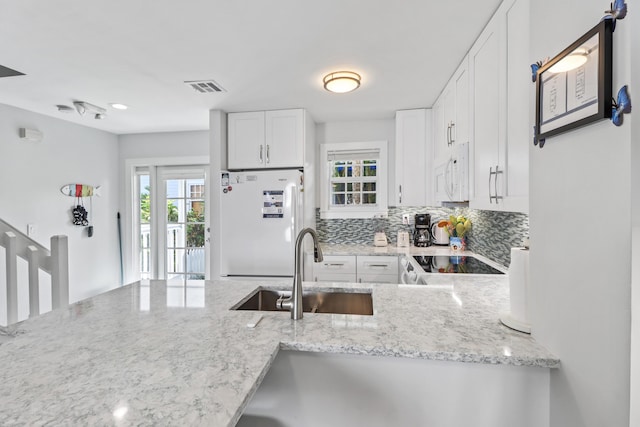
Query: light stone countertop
pixel 164 354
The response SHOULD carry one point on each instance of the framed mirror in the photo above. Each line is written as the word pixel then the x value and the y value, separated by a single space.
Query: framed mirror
pixel 574 88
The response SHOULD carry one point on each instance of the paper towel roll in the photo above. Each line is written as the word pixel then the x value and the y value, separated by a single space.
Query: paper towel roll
pixel 518 318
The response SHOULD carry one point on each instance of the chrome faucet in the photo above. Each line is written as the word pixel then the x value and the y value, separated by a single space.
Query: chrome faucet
pixel 294 302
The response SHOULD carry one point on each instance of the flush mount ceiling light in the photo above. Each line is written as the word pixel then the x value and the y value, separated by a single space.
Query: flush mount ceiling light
pixel 570 62
pixel 341 81
pixel 83 107
pixel 119 106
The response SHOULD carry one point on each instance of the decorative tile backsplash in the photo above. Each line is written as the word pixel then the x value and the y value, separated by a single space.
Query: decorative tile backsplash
pixel 493 233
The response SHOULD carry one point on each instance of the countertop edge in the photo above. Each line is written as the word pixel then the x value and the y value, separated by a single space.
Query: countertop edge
pixel 444 356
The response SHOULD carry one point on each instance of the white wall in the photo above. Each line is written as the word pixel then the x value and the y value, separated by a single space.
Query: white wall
pixel 32 174
pixel 634 25
pixel 580 241
pixel 153 149
pixel 164 144
pixel 359 131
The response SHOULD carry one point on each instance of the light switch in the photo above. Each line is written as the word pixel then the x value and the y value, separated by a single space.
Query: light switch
pixel 31 230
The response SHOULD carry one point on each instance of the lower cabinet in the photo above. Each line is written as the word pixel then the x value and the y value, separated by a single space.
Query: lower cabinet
pixel 352 268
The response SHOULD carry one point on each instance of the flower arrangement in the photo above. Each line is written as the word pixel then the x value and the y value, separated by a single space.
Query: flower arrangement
pixel 456 226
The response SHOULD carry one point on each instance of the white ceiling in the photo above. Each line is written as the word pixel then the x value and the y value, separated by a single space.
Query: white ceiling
pixel 267 54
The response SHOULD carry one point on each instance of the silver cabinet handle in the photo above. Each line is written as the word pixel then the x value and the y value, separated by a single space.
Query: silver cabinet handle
pixel 490 175
pixel 495 184
pixel 448 134
pixel 400 193
pixel 267 153
pixel 451 126
pixel 261 154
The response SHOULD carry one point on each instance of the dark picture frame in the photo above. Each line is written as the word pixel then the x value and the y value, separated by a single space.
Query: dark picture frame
pixel 566 100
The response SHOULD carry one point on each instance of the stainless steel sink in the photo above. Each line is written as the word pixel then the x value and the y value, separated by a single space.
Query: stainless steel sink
pixel 312 302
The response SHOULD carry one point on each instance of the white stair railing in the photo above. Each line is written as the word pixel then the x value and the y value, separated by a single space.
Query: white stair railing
pixel 54 261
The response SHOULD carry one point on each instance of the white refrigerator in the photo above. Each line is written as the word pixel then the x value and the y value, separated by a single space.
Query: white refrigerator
pixel 261 215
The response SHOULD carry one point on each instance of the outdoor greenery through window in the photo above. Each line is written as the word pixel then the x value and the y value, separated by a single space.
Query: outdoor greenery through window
pixel 353 182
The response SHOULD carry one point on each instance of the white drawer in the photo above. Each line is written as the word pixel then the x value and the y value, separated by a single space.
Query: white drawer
pixel 377 265
pixel 378 278
pixel 335 264
pixel 333 277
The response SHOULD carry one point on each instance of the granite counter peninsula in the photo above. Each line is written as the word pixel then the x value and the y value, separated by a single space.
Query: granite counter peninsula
pixel 163 354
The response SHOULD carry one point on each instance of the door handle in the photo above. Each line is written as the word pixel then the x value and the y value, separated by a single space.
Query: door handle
pixel 490 175
pixel 400 194
pixel 451 126
pixel 267 153
pixel 261 154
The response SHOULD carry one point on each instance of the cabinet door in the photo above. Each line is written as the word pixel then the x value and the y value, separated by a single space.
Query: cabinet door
pixel 284 140
pixel 411 167
pixel 485 64
pixel 440 147
pixel 246 140
pixel 520 94
pixel 461 121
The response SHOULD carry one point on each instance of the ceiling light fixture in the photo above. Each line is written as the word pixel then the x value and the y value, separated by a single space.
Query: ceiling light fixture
pixel 83 107
pixel 119 106
pixel 341 81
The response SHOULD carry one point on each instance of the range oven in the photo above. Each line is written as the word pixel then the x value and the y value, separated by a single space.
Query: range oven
pixel 417 268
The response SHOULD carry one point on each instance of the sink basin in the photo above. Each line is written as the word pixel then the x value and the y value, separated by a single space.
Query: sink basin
pixel 312 302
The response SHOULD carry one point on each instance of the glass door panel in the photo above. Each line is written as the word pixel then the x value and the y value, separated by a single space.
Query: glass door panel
pixel 185 228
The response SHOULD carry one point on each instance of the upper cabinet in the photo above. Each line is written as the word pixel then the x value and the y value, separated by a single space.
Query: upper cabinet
pixel 413 154
pixel 451 115
pixel 500 98
pixel 266 139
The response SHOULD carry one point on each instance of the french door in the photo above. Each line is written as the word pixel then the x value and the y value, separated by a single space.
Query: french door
pixel 173 225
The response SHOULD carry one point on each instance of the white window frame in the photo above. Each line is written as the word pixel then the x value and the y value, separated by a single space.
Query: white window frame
pixel 380 209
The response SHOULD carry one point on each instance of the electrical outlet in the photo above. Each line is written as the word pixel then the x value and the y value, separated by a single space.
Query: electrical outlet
pixel 405 219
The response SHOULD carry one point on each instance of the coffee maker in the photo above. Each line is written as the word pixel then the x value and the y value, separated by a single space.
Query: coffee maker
pixel 422 232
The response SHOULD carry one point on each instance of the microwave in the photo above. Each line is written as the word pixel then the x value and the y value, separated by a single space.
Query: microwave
pixel 452 177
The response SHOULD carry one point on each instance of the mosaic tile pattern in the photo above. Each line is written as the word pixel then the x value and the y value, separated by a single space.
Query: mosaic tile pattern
pixel 493 233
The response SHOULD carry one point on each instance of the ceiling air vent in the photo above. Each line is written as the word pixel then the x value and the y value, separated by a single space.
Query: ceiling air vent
pixel 205 86
pixel 8 72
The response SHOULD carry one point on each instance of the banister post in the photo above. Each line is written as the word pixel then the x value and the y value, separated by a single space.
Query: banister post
pixel 59 271
pixel 10 244
pixel 33 258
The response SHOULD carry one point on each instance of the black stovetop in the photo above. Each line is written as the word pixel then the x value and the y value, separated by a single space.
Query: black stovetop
pixel 454 264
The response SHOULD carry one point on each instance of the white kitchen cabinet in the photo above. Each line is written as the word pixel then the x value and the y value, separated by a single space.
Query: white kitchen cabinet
pixel 413 163
pixel 500 110
pixel 377 269
pixel 451 121
pixel 335 268
pixel 352 268
pixel 266 139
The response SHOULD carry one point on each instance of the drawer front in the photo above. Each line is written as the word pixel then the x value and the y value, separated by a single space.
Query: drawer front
pixel 333 277
pixel 335 264
pixel 378 278
pixel 377 265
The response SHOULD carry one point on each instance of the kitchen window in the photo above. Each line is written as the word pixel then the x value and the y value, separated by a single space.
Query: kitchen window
pixel 354 180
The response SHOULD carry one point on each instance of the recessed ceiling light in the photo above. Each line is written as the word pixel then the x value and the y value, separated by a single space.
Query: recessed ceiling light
pixel 119 106
pixel 341 81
